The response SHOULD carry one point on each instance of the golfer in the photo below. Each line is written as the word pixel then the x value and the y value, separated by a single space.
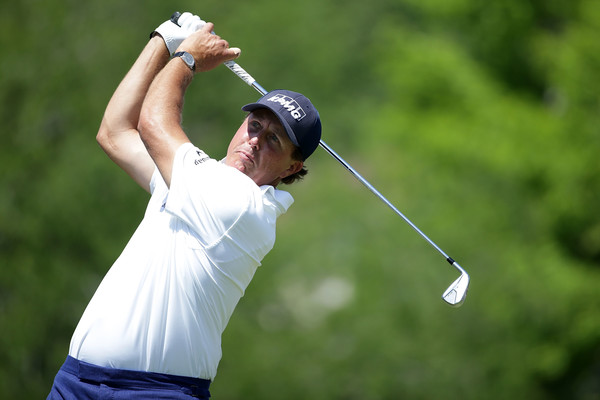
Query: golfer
pixel 153 327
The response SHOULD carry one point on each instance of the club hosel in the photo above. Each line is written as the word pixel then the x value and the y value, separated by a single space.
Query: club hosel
pixel 452 262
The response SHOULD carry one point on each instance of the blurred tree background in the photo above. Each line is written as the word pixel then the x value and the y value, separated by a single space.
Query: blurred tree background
pixel 479 120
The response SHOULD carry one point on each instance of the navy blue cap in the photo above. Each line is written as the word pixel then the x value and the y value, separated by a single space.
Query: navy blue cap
pixel 297 115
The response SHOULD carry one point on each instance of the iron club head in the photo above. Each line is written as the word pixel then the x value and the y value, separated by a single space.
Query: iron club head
pixel 457 292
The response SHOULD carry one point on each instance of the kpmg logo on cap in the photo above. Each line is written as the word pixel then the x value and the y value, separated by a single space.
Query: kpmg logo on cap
pixel 290 105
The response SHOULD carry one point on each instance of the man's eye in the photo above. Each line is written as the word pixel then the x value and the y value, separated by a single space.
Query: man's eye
pixel 274 138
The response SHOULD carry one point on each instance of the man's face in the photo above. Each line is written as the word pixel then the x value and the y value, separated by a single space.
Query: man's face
pixel 262 149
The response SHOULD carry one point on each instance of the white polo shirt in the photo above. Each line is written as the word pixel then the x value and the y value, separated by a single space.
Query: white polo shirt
pixel 165 302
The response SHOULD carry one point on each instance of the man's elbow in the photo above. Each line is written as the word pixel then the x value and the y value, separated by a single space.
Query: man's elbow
pixel 154 129
pixel 103 136
pixel 160 131
pixel 147 125
pixel 113 141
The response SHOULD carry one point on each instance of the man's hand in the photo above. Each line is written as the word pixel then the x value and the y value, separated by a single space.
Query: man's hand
pixel 174 34
pixel 208 49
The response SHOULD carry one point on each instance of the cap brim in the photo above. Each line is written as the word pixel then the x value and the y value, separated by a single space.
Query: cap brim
pixel 288 129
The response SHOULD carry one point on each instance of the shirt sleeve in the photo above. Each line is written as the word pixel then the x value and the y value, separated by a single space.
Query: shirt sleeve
pixel 155 180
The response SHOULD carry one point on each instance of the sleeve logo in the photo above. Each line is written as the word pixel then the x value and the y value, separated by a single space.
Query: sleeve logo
pixel 202 157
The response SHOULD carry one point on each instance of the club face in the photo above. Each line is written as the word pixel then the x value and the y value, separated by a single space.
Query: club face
pixel 457 292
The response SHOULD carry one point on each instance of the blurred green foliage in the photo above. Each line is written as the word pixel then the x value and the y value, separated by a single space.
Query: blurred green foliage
pixel 480 120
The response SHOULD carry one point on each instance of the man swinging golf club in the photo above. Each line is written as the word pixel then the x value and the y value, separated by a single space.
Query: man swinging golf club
pixel 153 328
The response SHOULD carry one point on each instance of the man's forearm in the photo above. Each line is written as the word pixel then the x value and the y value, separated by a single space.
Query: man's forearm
pixel 123 110
pixel 118 135
pixel 163 105
pixel 160 119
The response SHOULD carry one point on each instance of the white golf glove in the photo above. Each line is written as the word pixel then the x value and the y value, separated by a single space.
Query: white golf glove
pixel 174 34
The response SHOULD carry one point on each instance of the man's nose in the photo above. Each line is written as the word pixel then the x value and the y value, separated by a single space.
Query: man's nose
pixel 255 140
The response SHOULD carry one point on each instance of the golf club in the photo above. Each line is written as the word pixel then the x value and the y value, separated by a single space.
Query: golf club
pixel 456 293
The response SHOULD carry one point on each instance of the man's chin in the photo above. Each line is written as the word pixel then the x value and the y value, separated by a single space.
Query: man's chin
pixel 238 164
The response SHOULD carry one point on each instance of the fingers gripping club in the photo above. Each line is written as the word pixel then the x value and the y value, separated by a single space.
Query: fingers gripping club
pixel 232 65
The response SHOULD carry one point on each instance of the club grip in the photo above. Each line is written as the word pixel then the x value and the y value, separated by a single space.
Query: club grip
pixel 175 18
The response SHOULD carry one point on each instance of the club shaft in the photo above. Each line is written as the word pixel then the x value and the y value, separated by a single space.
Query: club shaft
pixel 382 198
pixel 246 77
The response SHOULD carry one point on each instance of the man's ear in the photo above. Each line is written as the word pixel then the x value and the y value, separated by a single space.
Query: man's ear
pixel 294 167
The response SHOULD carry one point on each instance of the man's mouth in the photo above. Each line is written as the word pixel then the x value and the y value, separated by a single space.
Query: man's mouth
pixel 246 155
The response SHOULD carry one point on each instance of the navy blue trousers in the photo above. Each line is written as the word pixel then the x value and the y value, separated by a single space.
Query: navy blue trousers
pixel 78 380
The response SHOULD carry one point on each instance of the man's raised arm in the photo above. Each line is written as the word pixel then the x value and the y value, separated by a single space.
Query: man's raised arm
pixel 118 135
pixel 160 118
